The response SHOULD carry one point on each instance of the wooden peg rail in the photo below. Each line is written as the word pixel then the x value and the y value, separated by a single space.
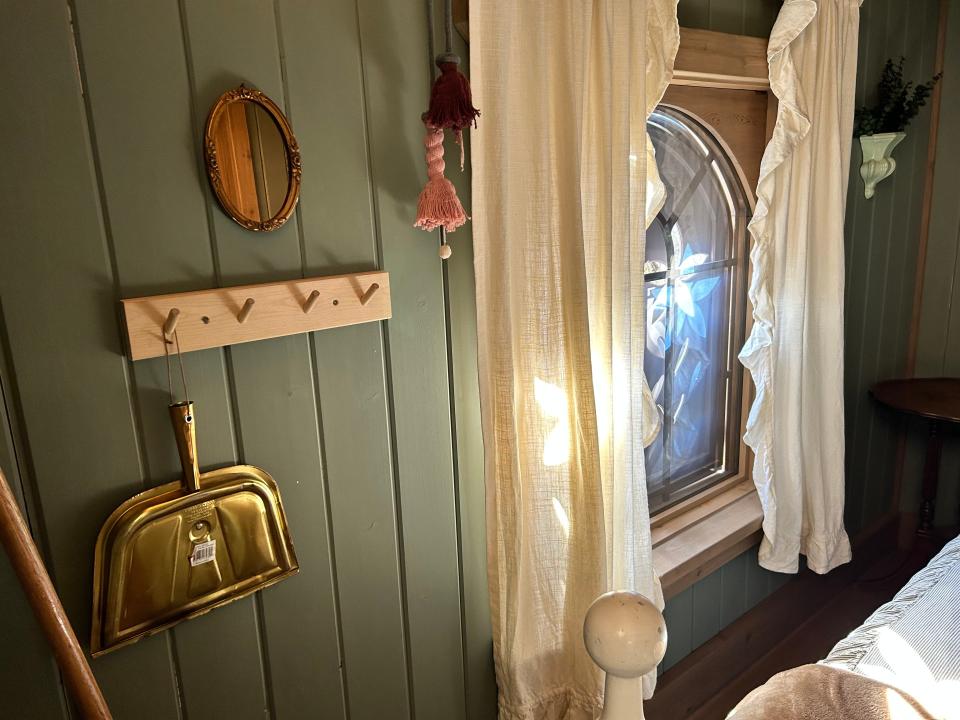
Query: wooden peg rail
pixel 227 316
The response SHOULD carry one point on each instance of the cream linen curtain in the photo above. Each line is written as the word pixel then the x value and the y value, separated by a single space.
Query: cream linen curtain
pixel 561 201
pixel 795 349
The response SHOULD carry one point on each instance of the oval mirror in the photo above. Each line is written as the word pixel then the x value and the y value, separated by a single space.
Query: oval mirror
pixel 253 161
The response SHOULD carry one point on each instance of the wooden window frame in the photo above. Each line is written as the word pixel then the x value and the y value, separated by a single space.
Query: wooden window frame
pixel 699 534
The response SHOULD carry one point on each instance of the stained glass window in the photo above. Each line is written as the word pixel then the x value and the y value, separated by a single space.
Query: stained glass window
pixel 696 296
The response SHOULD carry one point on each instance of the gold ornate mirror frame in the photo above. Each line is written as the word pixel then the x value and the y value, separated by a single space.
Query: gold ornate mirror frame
pixel 294 170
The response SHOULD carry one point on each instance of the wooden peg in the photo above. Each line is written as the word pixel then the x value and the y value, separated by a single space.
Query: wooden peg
pixel 245 310
pixel 311 301
pixel 365 298
pixel 170 324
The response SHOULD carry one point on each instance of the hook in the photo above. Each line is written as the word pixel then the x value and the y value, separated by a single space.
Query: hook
pixel 245 310
pixel 365 298
pixel 170 324
pixel 311 301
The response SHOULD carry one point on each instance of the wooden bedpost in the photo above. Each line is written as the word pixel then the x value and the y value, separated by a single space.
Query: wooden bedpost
pixel 626 636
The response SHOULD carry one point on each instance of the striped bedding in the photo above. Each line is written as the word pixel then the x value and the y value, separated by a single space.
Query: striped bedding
pixel 913 641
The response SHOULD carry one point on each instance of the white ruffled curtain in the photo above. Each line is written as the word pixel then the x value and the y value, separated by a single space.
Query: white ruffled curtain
pixel 564 186
pixel 795 349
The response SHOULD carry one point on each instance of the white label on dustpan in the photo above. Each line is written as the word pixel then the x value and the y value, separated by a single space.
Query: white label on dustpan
pixel 203 553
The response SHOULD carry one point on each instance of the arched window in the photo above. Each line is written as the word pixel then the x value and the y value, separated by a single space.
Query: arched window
pixel 695 272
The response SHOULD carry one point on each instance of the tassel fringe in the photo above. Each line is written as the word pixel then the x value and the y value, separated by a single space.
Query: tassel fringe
pixel 438 205
pixel 451 101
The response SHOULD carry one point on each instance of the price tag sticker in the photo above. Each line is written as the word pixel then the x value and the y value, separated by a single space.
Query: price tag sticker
pixel 203 553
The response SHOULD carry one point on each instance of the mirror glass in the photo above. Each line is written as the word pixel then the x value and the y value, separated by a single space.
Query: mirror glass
pixel 252 159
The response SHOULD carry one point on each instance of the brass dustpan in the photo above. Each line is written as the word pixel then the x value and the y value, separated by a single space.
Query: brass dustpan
pixel 182 549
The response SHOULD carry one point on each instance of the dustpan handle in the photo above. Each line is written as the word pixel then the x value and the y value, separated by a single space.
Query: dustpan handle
pixel 46 605
pixel 185 430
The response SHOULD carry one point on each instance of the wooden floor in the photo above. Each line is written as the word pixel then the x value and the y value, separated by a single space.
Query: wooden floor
pixel 799 624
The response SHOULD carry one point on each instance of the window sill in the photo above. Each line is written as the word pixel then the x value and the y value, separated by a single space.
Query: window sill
pixel 691 542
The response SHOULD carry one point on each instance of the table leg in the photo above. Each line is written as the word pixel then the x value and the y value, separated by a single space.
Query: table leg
pixel 931 477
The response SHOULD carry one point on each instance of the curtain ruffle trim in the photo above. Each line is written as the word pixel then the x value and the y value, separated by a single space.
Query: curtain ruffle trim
pixel 663 41
pixel 791 127
pixel 823 551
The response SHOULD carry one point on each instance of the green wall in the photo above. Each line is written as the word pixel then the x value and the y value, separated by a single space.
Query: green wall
pixel 938 347
pixel 376 455
pixel 881 252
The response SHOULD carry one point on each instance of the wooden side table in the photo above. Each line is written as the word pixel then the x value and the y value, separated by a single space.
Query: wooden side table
pixel 937 400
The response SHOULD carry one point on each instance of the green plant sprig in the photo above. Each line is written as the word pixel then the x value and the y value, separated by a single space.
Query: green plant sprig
pixel 898 102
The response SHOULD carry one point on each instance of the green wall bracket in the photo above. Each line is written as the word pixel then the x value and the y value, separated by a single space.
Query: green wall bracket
pixel 877 162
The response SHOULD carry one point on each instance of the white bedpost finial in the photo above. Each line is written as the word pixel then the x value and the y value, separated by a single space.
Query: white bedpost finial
pixel 626 636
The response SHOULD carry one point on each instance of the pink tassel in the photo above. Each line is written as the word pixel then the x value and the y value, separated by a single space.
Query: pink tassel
pixel 438 205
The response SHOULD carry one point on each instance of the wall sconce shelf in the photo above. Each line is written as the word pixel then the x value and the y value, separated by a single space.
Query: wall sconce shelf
pixel 877 161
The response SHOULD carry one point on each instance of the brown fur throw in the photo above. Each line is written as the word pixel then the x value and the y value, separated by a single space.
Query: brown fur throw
pixel 819 692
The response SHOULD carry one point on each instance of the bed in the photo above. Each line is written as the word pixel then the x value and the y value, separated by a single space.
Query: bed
pixel 915 635
pixel 903 661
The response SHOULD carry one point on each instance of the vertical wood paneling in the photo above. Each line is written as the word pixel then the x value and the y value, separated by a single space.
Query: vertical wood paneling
pixel 741 17
pixel 733 589
pixel 727 16
pixel 865 264
pixel 479 678
pixel 478 651
pixel 34 667
pixel 706 609
pixel 324 89
pixel 881 258
pixel 278 421
pixel 355 424
pixel 678 615
pixel 325 84
pixel 64 345
pixel 420 404
pixel 888 227
pixel 938 347
pixel 694 14
pixel 757 583
pixel 174 249
pixel 908 34
pixel 364 522
pixel 256 372
pixel 759 16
